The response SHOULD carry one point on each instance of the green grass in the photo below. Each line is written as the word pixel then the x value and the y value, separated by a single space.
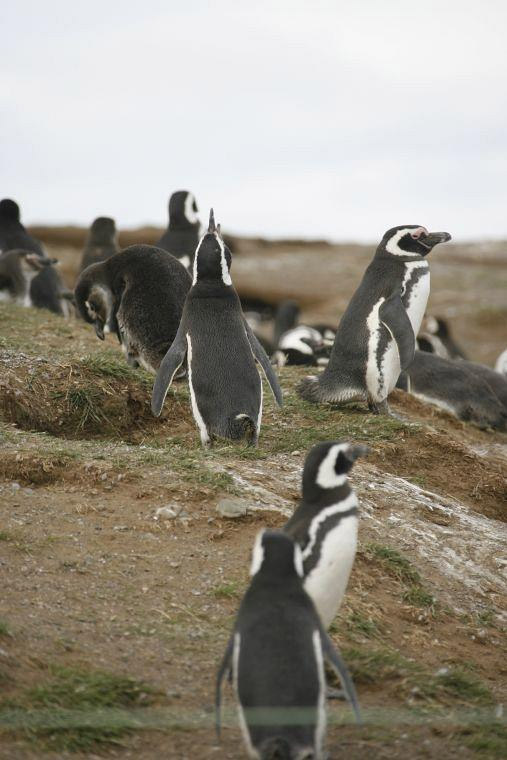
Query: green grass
pixel 4 628
pixel 109 363
pixel 488 738
pixel 372 666
pixel 366 626
pixel 79 691
pixel 226 591
pixel 401 568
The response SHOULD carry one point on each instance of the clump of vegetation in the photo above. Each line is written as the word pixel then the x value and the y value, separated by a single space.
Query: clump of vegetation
pixel 226 591
pixel 77 709
pixel 402 569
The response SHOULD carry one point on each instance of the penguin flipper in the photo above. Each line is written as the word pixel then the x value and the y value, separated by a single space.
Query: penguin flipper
pixel 224 667
pixel 337 662
pixel 394 316
pixel 261 356
pixel 170 364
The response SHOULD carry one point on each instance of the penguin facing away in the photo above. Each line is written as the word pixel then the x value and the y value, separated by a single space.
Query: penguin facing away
pixel 375 339
pixel 182 234
pixel 451 386
pixel 17 270
pixel 46 289
pixel 221 350
pixel 276 656
pixel 325 523
pixel 101 242
pixel 299 344
pixel 138 294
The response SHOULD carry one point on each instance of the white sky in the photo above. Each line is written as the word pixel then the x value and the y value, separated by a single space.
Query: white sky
pixel 317 119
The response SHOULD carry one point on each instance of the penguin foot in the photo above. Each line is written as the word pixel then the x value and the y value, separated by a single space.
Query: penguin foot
pixel 379 407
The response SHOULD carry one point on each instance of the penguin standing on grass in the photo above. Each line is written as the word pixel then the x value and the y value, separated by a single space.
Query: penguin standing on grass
pixel 182 233
pixel 221 351
pixel 375 339
pixel 325 523
pixel 46 289
pixel 139 295
pixel 101 243
pixel 276 655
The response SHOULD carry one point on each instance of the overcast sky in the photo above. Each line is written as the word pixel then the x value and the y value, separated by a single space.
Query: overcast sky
pixel 331 119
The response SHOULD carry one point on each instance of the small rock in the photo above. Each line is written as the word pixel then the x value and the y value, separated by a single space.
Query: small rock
pixel 232 508
pixel 295 453
pixel 165 513
pixel 121 527
pixel 15 486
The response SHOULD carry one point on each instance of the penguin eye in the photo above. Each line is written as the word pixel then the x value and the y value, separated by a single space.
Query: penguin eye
pixel 418 233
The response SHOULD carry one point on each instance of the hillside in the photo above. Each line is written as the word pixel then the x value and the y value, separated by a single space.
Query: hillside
pixel 113 618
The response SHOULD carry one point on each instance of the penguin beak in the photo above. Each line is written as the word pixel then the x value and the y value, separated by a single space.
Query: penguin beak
pixel 212 225
pixel 99 329
pixel 432 239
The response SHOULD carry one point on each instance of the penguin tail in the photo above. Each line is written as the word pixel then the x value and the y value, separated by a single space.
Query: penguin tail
pixel 276 748
pixel 243 427
pixel 309 389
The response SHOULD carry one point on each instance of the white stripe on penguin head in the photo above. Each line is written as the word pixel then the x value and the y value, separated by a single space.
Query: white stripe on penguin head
pixel 327 476
pixel 226 277
pixel 392 244
pixel 190 214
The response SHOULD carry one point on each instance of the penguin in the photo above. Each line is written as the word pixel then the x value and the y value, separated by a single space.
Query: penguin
pixel 501 363
pixel 375 339
pixel 495 380
pixel 451 386
pixel 221 350
pixel 298 344
pixel 139 295
pixel 436 338
pixel 46 290
pixel 276 656
pixel 17 270
pixel 101 243
pixel 182 233
pixel 325 522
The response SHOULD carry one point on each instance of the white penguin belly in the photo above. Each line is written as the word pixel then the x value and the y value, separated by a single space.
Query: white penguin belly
pixel 327 582
pixel 380 380
pixel 419 294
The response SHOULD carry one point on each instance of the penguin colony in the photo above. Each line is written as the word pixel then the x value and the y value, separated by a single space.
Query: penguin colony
pixel 174 310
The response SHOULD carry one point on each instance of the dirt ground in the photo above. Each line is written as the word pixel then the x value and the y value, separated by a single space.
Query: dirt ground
pixel 113 619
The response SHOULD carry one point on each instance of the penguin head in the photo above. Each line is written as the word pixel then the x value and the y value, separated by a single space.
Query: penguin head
pixel 9 210
pixel 409 240
pixel 275 554
pixel 327 465
pixel 183 211
pixel 212 259
pixel 94 299
pixel 102 231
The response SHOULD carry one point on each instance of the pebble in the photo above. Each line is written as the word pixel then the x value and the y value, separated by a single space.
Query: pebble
pixel 165 513
pixel 232 508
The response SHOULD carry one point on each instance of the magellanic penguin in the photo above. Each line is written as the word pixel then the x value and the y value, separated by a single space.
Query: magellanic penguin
pixel 451 386
pixel 375 339
pixel 139 295
pixel 182 234
pixel 46 290
pixel 299 344
pixel 101 242
pixel 325 523
pixel 17 270
pixel 436 338
pixel 221 350
pixel 276 654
